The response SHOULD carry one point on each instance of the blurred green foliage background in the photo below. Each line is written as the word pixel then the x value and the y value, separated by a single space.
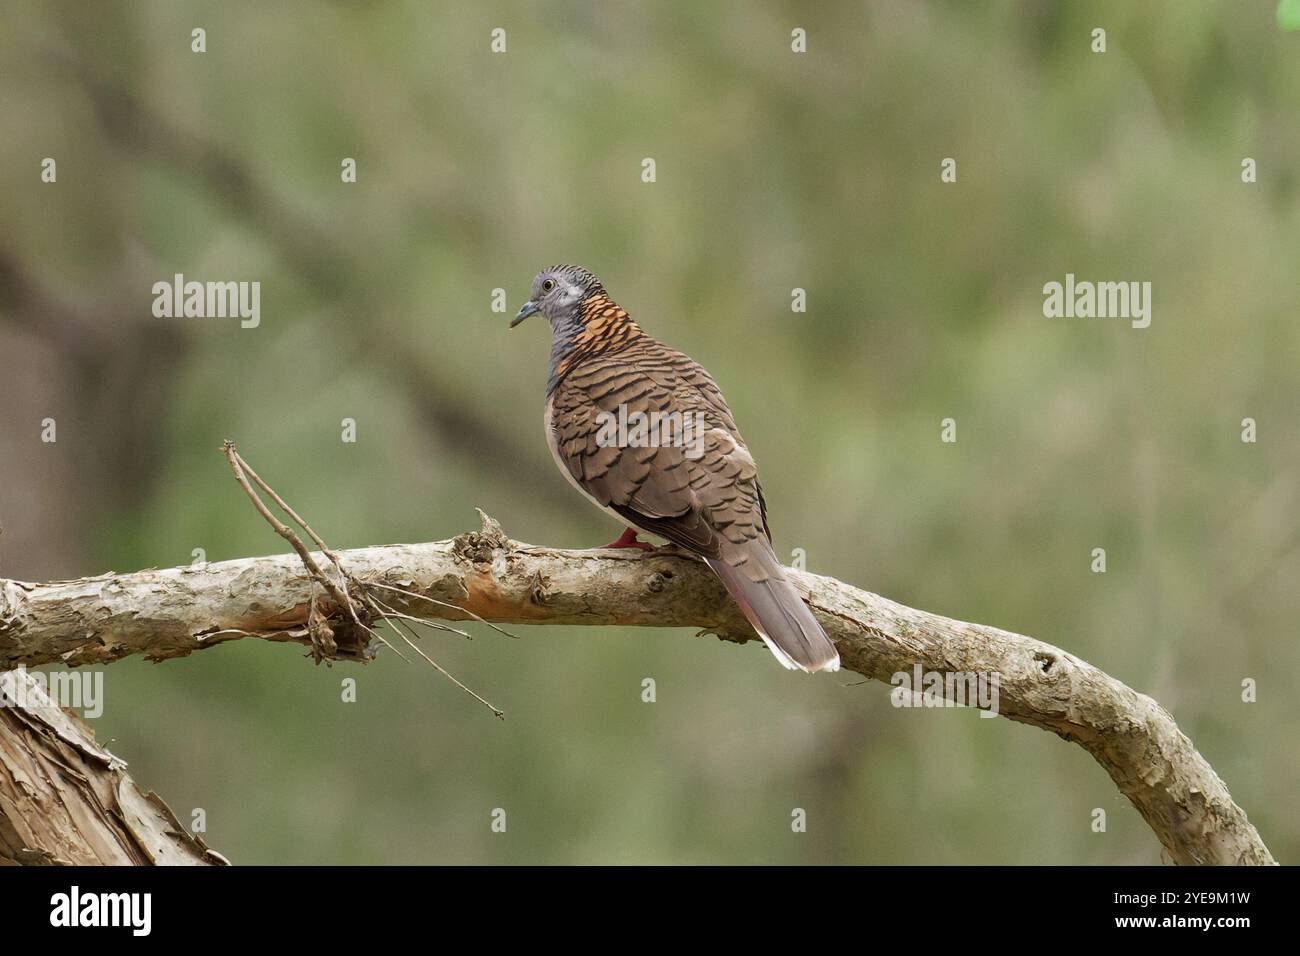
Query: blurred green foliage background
pixel 774 171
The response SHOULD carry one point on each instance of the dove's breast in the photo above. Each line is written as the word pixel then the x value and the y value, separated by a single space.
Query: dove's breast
pixel 548 423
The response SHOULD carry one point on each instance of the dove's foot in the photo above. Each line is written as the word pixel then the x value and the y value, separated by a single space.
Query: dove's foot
pixel 628 540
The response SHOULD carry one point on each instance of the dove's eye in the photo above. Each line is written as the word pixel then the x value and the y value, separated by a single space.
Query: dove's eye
pixel 548 285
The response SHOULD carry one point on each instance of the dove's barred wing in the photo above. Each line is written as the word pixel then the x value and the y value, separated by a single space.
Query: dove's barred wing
pixel 703 495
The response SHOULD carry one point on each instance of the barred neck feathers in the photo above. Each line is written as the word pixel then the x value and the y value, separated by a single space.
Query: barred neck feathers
pixel 598 326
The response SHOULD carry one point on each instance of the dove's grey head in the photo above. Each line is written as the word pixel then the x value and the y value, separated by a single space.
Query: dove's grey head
pixel 585 321
pixel 558 294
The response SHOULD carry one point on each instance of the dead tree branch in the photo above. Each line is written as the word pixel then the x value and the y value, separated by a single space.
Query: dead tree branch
pixel 483 575
pixel 65 800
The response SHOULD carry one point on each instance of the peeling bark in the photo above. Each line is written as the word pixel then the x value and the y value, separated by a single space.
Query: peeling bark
pixel 65 800
pixel 173 612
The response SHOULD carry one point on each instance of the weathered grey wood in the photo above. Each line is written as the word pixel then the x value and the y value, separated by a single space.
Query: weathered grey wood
pixel 173 612
pixel 66 800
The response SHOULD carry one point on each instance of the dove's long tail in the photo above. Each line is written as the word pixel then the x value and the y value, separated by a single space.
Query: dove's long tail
pixel 775 609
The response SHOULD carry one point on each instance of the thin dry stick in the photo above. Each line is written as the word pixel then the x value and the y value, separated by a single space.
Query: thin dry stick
pixel 243 471
pixel 341 598
pixel 283 530
pixel 396 625
pixel 297 518
pixel 343 572
pixel 437 603
pixel 390 611
pixel 379 637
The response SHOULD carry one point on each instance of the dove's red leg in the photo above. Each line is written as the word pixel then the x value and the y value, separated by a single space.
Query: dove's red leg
pixel 628 540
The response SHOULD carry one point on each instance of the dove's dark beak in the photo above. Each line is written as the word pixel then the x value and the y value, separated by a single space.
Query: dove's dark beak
pixel 528 309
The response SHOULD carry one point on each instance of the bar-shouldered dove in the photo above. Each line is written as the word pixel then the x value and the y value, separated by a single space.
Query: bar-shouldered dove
pixel 643 431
